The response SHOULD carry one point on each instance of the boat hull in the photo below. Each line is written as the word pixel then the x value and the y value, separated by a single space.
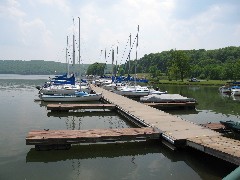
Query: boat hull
pixel 52 91
pixel 132 93
pixel 234 126
pixel 71 98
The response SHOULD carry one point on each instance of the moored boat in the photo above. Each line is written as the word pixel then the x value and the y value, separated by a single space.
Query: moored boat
pixel 64 89
pixel 235 91
pixel 232 125
pixel 77 97
pixel 135 91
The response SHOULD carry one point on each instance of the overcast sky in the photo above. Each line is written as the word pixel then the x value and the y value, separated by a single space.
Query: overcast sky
pixel 38 29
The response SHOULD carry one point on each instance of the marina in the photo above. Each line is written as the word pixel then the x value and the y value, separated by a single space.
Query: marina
pixel 140 157
pixel 174 131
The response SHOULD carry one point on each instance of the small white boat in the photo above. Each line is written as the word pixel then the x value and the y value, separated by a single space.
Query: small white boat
pixel 113 86
pixel 77 97
pixel 157 91
pixel 225 89
pixel 235 91
pixel 135 91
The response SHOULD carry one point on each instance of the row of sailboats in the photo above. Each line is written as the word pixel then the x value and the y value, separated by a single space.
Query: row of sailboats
pixel 64 89
pixel 123 87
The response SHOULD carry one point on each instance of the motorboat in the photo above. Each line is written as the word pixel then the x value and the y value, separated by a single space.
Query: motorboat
pixel 133 91
pixel 232 125
pixel 157 91
pixel 235 91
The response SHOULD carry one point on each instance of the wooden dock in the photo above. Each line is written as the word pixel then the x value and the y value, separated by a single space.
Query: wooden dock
pixel 62 139
pixel 175 130
pixel 67 107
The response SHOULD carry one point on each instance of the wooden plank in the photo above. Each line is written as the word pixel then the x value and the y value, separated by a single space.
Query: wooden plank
pixel 66 107
pixel 49 137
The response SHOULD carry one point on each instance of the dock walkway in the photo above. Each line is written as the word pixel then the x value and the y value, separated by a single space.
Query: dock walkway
pixel 175 130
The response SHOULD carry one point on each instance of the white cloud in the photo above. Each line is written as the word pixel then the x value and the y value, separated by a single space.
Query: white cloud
pixel 164 25
pixel 10 9
pixel 62 5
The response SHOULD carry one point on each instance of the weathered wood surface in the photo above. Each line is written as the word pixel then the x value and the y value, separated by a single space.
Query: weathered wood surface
pixel 173 128
pixel 218 146
pixel 66 107
pixel 50 137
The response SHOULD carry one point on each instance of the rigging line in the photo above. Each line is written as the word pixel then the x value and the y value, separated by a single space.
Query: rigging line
pixel 131 47
pixel 124 50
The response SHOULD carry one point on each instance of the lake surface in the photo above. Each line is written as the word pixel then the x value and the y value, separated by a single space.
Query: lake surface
pixel 20 114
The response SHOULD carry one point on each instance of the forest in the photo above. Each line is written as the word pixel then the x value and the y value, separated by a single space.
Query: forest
pixel 218 64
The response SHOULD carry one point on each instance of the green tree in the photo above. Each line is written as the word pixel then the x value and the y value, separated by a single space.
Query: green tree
pixel 96 69
pixel 179 65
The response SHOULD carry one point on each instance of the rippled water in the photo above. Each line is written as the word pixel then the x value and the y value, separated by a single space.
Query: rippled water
pixel 20 114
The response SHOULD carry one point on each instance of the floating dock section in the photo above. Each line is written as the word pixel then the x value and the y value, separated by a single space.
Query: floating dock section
pixel 62 139
pixel 67 107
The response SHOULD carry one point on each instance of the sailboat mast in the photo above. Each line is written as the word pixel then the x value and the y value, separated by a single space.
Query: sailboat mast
pixel 112 62
pixel 136 58
pixel 129 55
pixel 116 64
pixel 73 54
pixel 67 63
pixel 79 53
pixel 73 63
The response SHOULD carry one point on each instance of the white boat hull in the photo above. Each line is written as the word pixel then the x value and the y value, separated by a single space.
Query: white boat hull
pixel 235 92
pixel 132 93
pixel 70 98
pixel 55 90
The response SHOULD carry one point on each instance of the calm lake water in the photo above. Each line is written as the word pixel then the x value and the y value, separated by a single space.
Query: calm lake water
pixel 20 114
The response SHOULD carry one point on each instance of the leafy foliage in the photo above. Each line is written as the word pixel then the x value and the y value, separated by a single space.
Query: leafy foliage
pixel 218 64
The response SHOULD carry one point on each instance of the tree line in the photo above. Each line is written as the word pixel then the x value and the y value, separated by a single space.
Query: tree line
pixel 39 67
pixel 219 64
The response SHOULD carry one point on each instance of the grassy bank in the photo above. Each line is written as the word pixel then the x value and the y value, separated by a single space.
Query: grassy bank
pixel 186 82
pixel 164 80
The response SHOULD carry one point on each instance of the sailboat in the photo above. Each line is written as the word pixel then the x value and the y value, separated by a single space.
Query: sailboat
pixel 66 92
pixel 136 90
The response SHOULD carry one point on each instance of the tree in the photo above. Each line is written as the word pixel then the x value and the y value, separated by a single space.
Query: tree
pixel 179 65
pixel 96 69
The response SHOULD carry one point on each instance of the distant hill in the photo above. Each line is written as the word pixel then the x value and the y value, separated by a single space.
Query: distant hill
pixel 40 67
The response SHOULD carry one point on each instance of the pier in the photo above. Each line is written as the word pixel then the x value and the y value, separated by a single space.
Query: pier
pixel 176 131
pixel 171 130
